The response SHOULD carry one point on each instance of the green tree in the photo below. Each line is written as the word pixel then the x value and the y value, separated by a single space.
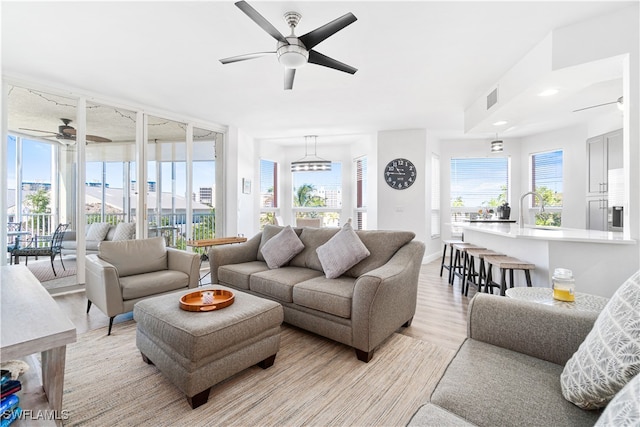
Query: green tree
pixel 458 202
pixel 500 200
pixel 304 197
pixel 38 201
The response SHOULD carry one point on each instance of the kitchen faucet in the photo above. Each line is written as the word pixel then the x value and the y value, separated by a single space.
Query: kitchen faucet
pixel 521 221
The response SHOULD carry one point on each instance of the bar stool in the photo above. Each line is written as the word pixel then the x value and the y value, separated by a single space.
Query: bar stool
pixel 481 275
pixel 448 244
pixel 459 267
pixel 505 263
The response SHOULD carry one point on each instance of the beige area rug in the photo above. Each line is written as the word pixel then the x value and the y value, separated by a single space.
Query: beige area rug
pixel 41 268
pixel 314 381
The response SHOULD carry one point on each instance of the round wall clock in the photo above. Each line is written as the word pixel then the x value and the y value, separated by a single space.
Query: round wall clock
pixel 400 174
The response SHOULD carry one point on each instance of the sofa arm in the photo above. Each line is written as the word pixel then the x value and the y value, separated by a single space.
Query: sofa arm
pixel 103 285
pixel 384 299
pixel 187 262
pixel 233 254
pixel 69 235
pixel 544 332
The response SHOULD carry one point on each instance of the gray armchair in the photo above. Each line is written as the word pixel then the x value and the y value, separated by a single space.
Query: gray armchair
pixel 127 271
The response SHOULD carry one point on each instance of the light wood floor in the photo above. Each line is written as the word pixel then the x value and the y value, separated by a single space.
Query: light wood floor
pixel 441 314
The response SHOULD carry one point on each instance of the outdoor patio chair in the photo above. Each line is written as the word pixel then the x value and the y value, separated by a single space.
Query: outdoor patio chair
pixel 51 250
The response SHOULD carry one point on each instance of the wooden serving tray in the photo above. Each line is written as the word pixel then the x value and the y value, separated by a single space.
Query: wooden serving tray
pixel 194 301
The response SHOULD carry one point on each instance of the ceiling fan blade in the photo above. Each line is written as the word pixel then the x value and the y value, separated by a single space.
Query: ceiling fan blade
pixel 619 101
pixel 289 74
pixel 95 138
pixel 245 57
pixel 38 130
pixel 69 131
pixel 314 37
pixel 261 21
pixel 317 58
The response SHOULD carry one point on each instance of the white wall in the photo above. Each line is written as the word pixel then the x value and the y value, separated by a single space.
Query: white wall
pixel 404 209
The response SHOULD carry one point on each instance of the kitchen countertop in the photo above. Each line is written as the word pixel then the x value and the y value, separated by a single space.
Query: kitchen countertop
pixel 511 230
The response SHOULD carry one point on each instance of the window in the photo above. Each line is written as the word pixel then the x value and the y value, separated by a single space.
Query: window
pixel 268 192
pixel 319 194
pixel 546 180
pixel 435 196
pixel 361 193
pixel 478 186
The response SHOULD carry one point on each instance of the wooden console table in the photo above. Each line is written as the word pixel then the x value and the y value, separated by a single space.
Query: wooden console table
pixel 32 322
pixel 207 243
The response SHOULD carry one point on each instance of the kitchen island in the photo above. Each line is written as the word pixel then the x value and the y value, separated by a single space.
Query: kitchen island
pixel 600 260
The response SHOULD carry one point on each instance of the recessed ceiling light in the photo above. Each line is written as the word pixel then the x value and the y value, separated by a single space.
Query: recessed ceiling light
pixel 548 92
pixel 500 123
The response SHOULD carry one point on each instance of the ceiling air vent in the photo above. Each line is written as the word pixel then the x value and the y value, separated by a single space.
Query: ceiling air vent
pixel 492 98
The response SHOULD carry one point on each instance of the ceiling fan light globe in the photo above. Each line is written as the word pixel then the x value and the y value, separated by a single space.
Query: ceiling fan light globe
pixel 293 55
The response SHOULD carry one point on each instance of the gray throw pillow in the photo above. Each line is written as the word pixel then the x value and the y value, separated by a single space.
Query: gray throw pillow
pixel 124 231
pixel 281 248
pixel 98 231
pixel 624 409
pixel 610 355
pixel 341 252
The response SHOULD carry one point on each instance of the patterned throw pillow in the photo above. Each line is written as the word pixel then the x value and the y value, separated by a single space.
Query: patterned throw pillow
pixel 281 248
pixel 341 252
pixel 610 355
pixel 98 231
pixel 124 231
pixel 624 409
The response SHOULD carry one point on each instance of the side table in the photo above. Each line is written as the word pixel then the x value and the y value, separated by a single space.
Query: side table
pixel 585 302
pixel 207 243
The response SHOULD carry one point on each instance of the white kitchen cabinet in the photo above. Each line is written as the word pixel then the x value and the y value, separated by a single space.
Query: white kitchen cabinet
pixel 597 213
pixel 604 153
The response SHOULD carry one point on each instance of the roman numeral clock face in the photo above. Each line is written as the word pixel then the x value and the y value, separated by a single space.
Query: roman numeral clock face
pixel 400 174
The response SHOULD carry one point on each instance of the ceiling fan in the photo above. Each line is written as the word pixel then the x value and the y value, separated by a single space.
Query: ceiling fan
pixel 68 133
pixel 293 52
pixel 619 101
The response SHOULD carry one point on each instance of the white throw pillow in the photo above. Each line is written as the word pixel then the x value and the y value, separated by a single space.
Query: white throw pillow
pixel 124 231
pixel 341 252
pixel 610 355
pixel 624 409
pixel 98 231
pixel 282 247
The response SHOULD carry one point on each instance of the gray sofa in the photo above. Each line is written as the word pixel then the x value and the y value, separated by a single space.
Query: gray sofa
pixel 361 308
pixel 508 371
pixel 69 242
pixel 127 271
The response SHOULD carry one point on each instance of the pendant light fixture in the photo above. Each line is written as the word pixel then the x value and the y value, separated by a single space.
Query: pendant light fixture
pixel 497 146
pixel 310 163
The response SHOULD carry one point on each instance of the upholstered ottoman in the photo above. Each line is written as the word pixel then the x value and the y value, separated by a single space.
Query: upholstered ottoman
pixel 196 350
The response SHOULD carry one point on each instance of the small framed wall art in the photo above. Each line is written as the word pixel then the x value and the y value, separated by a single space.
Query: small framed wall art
pixel 246 186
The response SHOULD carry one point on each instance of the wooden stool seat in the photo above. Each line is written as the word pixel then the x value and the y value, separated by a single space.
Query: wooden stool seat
pixel 460 262
pixel 448 244
pixel 481 274
pixel 505 263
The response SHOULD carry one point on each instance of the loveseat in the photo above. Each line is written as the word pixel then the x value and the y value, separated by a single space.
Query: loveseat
pixel 97 233
pixel 529 364
pixel 127 271
pixel 360 308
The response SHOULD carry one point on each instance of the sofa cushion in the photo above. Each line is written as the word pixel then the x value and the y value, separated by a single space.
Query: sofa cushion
pixel 382 245
pixel 312 238
pixel 624 409
pixel 279 283
pixel 430 415
pixel 237 275
pixel 156 282
pixel 491 386
pixel 269 232
pixel 98 231
pixel 341 252
pixel 333 296
pixel 135 256
pixel 124 231
pixel 610 355
pixel 281 248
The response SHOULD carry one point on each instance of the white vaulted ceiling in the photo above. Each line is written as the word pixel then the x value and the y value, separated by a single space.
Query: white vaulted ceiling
pixel 420 63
